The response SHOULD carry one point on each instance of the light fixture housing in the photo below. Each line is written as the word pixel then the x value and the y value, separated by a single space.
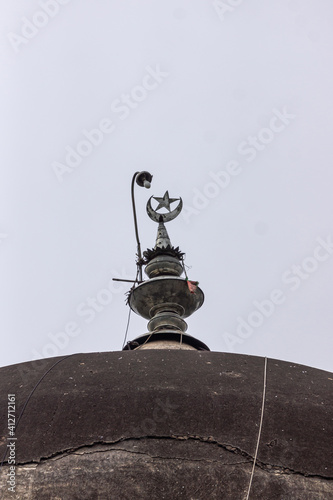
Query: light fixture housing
pixel 144 179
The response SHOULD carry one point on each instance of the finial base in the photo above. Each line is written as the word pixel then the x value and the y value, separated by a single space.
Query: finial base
pixel 166 339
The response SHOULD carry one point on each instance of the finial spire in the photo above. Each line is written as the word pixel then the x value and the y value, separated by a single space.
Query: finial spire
pixel 163 259
pixel 162 239
pixel 165 299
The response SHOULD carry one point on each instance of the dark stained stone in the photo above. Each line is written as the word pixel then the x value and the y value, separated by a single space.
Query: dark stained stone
pixel 169 424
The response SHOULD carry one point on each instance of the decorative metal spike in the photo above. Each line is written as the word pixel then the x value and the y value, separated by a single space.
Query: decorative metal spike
pixel 162 239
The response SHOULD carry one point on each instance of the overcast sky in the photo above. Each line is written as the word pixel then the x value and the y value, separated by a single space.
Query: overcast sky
pixel 228 105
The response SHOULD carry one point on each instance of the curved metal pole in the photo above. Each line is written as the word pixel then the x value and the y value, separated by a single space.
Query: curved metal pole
pixel 139 263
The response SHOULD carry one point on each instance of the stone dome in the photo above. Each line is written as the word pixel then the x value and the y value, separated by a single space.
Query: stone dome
pixel 168 424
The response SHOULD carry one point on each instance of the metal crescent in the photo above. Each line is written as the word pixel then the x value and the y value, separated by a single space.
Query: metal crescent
pixel 165 217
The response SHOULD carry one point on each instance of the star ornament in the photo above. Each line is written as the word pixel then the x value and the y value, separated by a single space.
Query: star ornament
pixel 165 201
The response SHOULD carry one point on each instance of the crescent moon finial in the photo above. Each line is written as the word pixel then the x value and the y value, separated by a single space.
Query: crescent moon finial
pixel 164 203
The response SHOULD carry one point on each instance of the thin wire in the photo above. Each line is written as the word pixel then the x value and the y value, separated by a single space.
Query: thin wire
pixel 260 426
pixel 184 268
pixel 130 310
pixel 29 397
pixel 128 322
pixel 141 345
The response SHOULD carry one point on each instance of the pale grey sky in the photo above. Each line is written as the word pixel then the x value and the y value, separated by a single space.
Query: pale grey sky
pixel 229 105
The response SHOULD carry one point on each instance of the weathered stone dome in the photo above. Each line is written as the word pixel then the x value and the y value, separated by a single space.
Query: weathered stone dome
pixel 169 424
